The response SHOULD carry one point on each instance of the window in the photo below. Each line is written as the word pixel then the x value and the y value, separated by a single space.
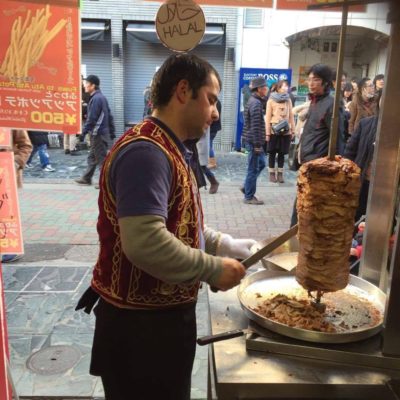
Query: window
pixel 253 18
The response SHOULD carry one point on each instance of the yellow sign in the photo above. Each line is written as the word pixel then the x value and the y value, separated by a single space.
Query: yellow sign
pixel 180 24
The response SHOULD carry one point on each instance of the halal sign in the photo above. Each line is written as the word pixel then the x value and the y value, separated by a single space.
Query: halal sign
pixel 180 24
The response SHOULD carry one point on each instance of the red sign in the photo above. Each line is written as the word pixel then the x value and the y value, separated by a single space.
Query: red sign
pixel 40 65
pixel 5 387
pixel 10 218
pixel 5 138
pixel 303 4
pixel 234 3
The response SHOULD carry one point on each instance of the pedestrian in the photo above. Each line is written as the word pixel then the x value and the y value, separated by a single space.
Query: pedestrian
pixel 203 149
pixel 280 127
pixel 354 83
pixel 360 149
pixel 347 95
pixel 153 243
pixel 40 141
pixel 379 83
pixel 301 111
pixel 363 104
pixel 292 95
pixel 148 107
pixel 254 139
pixel 214 129
pixel 99 125
pixel 314 141
pixel 22 148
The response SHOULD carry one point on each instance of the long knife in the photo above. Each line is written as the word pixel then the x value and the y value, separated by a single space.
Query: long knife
pixel 259 254
pixel 268 248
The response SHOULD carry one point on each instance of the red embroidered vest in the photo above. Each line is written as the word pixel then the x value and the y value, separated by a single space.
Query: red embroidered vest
pixel 114 276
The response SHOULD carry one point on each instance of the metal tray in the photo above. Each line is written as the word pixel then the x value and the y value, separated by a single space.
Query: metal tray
pixel 265 282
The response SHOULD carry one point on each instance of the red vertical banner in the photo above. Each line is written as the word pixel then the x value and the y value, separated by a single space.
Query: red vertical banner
pixel 40 83
pixel 5 387
pixel 5 138
pixel 10 219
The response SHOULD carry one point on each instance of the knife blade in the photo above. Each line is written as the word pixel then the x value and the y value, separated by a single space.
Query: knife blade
pixel 259 254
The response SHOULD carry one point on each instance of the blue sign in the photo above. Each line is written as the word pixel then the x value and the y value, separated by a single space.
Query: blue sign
pixel 245 76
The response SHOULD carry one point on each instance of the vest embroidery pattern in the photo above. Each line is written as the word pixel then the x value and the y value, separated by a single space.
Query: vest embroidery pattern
pixel 114 277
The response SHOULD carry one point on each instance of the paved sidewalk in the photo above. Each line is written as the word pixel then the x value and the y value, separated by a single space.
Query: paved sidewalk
pixel 59 221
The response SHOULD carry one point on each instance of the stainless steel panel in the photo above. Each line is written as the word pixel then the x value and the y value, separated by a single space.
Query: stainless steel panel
pixel 391 342
pixel 385 171
pixel 246 374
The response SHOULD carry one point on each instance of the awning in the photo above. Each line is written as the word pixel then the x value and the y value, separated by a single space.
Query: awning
pixel 146 32
pixel 93 30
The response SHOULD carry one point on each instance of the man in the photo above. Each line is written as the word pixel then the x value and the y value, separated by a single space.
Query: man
pixel 314 141
pixel 254 139
pixel 152 240
pixel 100 126
pixel 215 127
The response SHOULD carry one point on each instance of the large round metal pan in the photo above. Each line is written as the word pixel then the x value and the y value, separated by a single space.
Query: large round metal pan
pixel 265 282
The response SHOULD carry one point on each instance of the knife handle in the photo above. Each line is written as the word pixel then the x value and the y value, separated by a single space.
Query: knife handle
pixel 220 336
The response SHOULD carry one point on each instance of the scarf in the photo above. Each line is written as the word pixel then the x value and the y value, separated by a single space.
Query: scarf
pixel 280 97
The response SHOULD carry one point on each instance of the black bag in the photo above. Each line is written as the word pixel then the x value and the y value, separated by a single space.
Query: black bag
pixel 281 128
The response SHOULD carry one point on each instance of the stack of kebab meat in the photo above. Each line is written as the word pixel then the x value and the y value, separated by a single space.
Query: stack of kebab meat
pixel 328 192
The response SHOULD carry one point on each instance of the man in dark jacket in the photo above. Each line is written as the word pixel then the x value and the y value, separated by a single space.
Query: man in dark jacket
pixel 314 141
pixel 254 138
pixel 100 126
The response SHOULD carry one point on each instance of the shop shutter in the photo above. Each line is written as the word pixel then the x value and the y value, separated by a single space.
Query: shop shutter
pixel 141 61
pixel 96 55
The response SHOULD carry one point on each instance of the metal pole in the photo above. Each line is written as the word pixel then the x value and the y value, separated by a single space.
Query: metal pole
pixel 339 72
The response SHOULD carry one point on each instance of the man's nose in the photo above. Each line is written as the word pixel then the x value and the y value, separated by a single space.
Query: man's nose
pixel 215 114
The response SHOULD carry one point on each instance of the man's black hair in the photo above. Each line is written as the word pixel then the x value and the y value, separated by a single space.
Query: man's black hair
pixel 176 68
pixel 324 72
pixel 378 78
pixel 361 83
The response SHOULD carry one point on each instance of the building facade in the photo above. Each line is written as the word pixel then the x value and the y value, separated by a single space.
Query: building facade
pixel 119 44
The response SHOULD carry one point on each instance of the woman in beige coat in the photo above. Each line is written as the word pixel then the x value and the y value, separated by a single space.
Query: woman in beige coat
pixel 279 108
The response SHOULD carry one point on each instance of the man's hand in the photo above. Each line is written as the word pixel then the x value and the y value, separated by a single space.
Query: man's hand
pixel 268 138
pixel 258 150
pixel 232 273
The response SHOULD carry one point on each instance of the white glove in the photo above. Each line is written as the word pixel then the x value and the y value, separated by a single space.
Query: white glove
pixel 235 248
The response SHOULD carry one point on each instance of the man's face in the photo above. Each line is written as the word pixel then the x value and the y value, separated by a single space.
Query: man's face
pixel 315 85
pixel 89 87
pixel 262 91
pixel 343 82
pixel 380 83
pixel 202 111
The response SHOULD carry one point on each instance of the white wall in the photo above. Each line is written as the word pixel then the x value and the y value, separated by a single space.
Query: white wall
pixel 265 47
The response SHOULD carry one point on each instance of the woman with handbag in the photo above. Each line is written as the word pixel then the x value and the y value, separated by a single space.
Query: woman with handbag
pixel 280 128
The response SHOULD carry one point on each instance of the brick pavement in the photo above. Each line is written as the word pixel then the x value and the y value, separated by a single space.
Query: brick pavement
pixel 67 213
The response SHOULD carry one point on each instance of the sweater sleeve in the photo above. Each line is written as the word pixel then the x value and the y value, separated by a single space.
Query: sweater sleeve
pixel 22 147
pixel 351 149
pixel 353 116
pixel 148 244
pixel 257 123
pixel 268 116
pixel 291 117
pixel 94 113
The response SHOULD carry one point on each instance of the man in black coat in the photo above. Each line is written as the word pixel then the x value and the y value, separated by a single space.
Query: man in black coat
pixel 254 139
pixel 314 141
pixel 100 126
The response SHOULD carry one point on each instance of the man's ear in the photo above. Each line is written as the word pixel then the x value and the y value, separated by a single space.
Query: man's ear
pixel 183 91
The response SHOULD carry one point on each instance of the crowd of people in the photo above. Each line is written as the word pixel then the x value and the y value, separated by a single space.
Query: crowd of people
pixel 270 127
